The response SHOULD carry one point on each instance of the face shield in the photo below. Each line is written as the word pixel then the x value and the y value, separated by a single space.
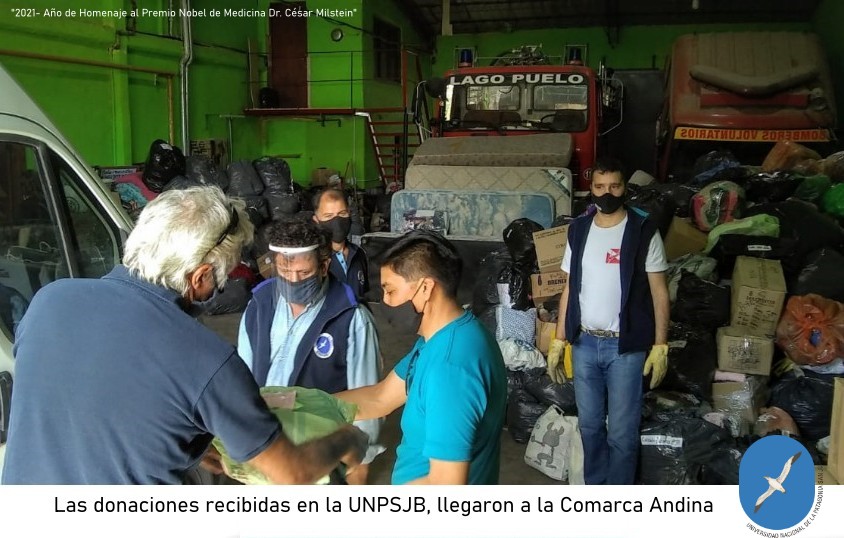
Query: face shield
pixel 299 278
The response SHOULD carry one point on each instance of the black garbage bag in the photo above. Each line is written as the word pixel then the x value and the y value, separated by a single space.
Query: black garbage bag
pixel 261 242
pixel 523 410
pixel 498 267
pixel 701 303
pixel 244 180
pixel 722 469
pixel 489 319
pixel 680 193
pixel 810 229
pixel 730 246
pixel 807 397
pixel 822 275
pixel 164 162
pixel 257 209
pixel 668 401
pixel 515 381
pixel 771 187
pixel 274 173
pixel 676 446
pixel 518 236
pixel 709 167
pixel 201 168
pixel 660 207
pixel 180 182
pixel 562 220
pixel 539 385
pixel 232 299
pixel 282 204
pixel 692 360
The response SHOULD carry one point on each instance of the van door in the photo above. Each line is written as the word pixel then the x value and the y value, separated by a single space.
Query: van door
pixel 54 223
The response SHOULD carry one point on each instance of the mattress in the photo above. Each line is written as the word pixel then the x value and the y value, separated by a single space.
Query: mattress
pixel 468 213
pixel 550 150
pixel 553 181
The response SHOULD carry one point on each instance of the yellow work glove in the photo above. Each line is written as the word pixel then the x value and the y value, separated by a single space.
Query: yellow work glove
pixel 555 367
pixel 567 365
pixel 658 362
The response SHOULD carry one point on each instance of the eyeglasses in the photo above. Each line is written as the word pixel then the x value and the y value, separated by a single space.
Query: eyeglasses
pixel 411 371
pixel 234 220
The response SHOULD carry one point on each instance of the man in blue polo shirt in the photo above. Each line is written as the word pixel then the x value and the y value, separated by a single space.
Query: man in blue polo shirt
pixel 452 383
pixel 305 328
pixel 117 383
pixel 348 261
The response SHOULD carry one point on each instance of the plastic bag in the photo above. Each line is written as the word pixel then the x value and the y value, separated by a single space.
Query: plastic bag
pixel 702 266
pixel 545 391
pixel 659 206
pixel 692 360
pixel 822 275
pixel 716 204
pixel 680 193
pixel 309 414
pixel 773 419
pixel 518 236
pixel 813 188
pixel 832 201
pixel 520 355
pixel 180 182
pixel 555 447
pixel 201 169
pixel 522 413
pixel 274 173
pixel 730 246
pixel 786 154
pixel 811 331
pixel 244 180
pixel 710 165
pixel 701 303
pixel 722 469
pixel 757 225
pixel 771 187
pixel 164 162
pixel 281 204
pixel 807 398
pixel 498 267
pixel 833 166
pixel 257 209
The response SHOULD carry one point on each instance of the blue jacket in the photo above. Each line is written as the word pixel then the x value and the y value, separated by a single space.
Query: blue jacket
pixel 636 319
pixel 357 276
pixel 320 360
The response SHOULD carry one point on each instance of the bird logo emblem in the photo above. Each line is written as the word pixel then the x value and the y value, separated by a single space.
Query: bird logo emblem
pixel 775 484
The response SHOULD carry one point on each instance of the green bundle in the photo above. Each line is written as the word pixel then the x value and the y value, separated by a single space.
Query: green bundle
pixel 304 414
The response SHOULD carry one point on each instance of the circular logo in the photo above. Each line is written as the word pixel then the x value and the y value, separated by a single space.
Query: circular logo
pixel 360 277
pixel 324 346
pixel 777 482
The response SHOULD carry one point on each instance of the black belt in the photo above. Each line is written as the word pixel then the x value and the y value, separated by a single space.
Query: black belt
pixel 599 333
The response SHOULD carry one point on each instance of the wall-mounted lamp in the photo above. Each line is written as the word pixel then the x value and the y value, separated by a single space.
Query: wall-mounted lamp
pixel 336 34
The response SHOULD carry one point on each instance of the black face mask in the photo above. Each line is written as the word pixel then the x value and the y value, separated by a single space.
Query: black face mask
pixel 301 292
pixel 404 318
pixel 339 228
pixel 608 203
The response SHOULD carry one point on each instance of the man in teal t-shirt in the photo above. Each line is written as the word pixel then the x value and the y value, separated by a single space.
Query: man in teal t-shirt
pixel 452 383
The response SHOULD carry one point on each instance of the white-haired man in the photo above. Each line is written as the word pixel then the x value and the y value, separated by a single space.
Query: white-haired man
pixel 117 384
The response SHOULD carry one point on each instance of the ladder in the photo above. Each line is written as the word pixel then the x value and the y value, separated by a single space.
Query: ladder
pixel 394 142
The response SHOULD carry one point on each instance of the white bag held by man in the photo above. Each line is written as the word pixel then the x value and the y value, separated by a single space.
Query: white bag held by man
pixel 555 447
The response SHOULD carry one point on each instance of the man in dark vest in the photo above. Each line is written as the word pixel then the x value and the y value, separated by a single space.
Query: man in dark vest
pixel 305 328
pixel 614 311
pixel 348 261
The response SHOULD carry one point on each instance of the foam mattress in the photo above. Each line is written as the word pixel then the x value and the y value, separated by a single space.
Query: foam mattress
pixel 551 150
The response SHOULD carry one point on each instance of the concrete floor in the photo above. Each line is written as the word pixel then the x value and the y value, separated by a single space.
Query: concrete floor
pixel 393 348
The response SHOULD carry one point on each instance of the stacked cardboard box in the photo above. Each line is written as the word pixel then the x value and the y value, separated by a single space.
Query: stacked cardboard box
pixel 741 401
pixel 836 434
pixel 550 246
pixel 683 238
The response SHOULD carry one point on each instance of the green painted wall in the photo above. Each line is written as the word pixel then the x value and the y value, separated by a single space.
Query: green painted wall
pixel 827 24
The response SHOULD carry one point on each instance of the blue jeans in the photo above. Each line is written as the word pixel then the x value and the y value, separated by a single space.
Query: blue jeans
pixel 608 391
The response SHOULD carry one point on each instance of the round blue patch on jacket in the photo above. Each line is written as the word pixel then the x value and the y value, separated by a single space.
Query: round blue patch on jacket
pixel 324 346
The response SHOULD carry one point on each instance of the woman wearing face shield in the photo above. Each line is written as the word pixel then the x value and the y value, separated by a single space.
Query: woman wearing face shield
pixel 452 384
pixel 304 328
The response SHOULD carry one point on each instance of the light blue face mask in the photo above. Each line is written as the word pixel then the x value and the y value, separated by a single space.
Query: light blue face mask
pixel 197 308
pixel 301 292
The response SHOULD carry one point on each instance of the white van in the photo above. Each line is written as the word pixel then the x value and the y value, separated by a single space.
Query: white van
pixel 57 220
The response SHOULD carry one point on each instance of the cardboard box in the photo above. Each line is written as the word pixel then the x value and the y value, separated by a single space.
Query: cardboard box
pixel 265 265
pixel 743 353
pixel 323 177
pixel 545 332
pixel 823 477
pixel 683 238
pixel 757 296
pixel 544 286
pixel 740 401
pixel 836 433
pixel 550 247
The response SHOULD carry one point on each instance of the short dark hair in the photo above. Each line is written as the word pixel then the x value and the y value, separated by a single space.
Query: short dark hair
pixel 333 193
pixel 423 253
pixel 298 232
pixel 607 164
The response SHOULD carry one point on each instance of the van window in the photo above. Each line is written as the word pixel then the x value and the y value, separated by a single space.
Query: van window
pixel 32 253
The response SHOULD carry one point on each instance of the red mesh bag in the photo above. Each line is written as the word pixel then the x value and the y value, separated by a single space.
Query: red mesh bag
pixel 811 331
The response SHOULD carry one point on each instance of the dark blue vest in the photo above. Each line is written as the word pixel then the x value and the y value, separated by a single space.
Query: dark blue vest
pixel 358 276
pixel 636 319
pixel 320 360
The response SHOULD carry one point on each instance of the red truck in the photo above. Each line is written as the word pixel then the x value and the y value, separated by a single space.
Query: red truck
pixel 743 91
